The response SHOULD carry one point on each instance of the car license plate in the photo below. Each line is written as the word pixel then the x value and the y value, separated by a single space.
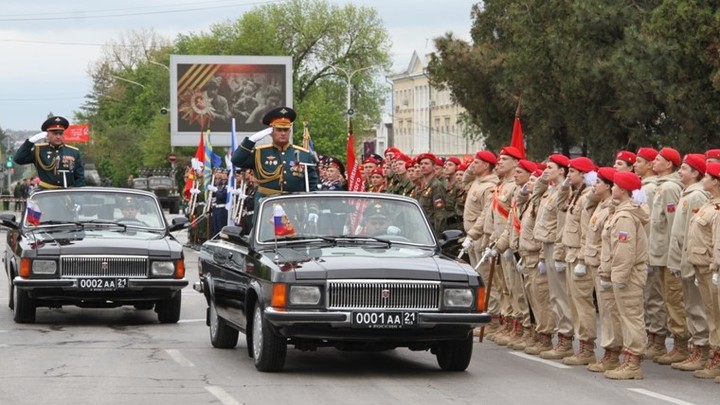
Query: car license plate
pixel 101 284
pixel 384 319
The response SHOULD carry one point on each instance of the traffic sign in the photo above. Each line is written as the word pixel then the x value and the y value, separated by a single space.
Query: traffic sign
pixel 172 158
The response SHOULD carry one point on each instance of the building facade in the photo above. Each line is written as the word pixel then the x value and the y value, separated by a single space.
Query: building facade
pixel 424 118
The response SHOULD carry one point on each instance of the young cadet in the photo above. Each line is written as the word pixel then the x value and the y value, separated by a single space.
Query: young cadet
pixel 480 180
pixel 580 282
pixel 699 255
pixel 664 205
pixel 596 255
pixel 548 229
pixel 624 161
pixel 655 315
pixel 692 170
pixel 624 233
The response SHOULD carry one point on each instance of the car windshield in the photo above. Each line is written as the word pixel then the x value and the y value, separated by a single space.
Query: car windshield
pixel 161 182
pixel 93 207
pixel 140 183
pixel 340 217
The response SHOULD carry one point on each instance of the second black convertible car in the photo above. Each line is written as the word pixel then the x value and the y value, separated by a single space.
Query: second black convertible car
pixel 94 247
pixel 355 271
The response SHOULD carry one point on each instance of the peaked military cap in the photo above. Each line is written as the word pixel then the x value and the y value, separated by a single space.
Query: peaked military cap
pixel 281 117
pixel 55 123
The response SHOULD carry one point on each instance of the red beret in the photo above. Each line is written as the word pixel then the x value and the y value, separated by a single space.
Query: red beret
pixel 403 157
pixel 671 155
pixel 527 165
pixel 454 160
pixel 439 161
pixel 410 163
pixel 512 151
pixel 486 156
pixel 582 164
pixel 560 160
pixel 426 155
pixel 712 154
pixel 607 174
pixel 538 172
pixel 377 170
pixel 541 166
pixel 393 150
pixel 696 161
pixel 371 160
pixel 713 169
pixel 648 154
pixel 626 156
pixel 627 180
pixel 463 167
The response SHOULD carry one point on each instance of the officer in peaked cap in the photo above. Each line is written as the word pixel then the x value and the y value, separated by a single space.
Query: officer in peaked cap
pixel 280 167
pixel 58 165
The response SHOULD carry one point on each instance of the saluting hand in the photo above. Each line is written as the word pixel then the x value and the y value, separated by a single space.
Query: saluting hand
pixel 37 137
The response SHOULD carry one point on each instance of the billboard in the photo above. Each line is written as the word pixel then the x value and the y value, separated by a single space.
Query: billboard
pixel 206 92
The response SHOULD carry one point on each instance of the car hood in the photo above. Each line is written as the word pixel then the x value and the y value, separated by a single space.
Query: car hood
pixel 106 244
pixel 430 267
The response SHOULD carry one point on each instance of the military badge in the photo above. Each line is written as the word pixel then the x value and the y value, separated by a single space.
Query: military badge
pixel 623 236
pixel 670 207
pixel 439 203
pixel 271 161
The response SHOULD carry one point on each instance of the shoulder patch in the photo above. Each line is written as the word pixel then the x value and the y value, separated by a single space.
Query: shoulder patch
pixel 623 236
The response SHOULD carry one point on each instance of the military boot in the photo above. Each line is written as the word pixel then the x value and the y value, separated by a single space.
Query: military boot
pixel 630 369
pixel 517 334
pixel 543 342
pixel 712 367
pixel 609 361
pixel 655 346
pixel 502 338
pixel 490 328
pixel 679 353
pixel 528 338
pixel 584 356
pixel 696 360
pixel 563 348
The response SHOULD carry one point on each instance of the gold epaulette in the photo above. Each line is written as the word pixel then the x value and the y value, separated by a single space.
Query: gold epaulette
pixel 300 148
pixel 264 146
pixel 71 147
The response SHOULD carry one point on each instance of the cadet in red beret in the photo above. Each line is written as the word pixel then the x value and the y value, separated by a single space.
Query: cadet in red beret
pixel 486 156
pixel 377 180
pixel 644 168
pixel 671 155
pixel 624 161
pixel 712 155
pixel 432 194
pixel 695 161
pixel 713 169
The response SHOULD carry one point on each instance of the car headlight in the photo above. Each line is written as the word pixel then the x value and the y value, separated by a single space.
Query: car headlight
pixel 162 268
pixel 304 295
pixel 44 267
pixel 458 297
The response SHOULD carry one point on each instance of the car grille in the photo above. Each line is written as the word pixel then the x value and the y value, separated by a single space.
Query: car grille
pixel 104 266
pixel 383 294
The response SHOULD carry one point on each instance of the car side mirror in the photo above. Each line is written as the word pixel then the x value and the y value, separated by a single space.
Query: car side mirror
pixel 178 223
pixel 449 236
pixel 9 221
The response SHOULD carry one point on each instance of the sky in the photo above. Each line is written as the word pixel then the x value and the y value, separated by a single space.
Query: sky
pixel 48 47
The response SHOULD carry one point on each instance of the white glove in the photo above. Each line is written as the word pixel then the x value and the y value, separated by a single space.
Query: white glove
pixel 520 267
pixel 580 269
pixel 212 188
pixel 524 189
pixel 37 137
pixel 560 266
pixel 604 284
pixel 675 272
pixel 491 252
pixel 393 230
pixel 312 217
pixel 716 278
pixel 194 191
pixel 508 254
pixel 240 194
pixel 542 268
pixel 621 285
pixel 261 134
pixel 467 243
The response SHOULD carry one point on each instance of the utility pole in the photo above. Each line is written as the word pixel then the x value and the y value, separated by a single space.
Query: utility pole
pixel 349 75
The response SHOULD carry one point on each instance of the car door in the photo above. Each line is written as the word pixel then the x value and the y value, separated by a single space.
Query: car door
pixel 229 281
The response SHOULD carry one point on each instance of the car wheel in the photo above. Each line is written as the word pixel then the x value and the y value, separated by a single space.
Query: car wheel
pixel 269 349
pixel 24 311
pixel 169 310
pixel 455 355
pixel 222 335
pixel 11 295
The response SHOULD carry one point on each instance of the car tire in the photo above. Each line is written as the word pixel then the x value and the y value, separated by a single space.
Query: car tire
pixel 455 355
pixel 11 294
pixel 169 310
pixel 24 311
pixel 269 348
pixel 222 335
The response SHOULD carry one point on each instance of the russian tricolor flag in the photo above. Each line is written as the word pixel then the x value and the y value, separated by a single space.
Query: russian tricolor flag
pixel 33 213
pixel 283 227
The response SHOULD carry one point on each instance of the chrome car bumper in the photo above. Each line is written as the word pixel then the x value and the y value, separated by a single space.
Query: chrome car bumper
pixel 344 318
pixel 71 283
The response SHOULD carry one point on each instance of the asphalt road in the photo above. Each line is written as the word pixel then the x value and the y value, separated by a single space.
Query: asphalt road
pixel 123 356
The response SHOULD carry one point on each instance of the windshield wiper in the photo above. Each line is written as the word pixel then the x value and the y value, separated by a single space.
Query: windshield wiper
pixel 360 238
pixel 56 222
pixel 104 222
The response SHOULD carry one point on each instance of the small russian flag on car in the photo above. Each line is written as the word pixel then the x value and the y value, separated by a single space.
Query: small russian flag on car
pixel 33 213
pixel 283 227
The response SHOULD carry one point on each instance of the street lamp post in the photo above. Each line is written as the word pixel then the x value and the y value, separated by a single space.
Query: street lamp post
pixel 427 75
pixel 349 76
pixel 127 80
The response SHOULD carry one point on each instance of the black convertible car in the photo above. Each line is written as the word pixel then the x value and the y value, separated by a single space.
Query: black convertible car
pixel 94 247
pixel 354 271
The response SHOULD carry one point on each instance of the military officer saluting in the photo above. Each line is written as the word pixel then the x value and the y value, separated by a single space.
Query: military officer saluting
pixel 58 165
pixel 278 166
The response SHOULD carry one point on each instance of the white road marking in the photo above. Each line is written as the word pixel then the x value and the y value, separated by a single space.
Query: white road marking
pixel 191 320
pixel 179 358
pixel 538 359
pixel 223 396
pixel 660 396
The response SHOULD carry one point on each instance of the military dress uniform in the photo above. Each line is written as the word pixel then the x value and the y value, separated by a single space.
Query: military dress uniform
pixel 57 166
pixel 278 169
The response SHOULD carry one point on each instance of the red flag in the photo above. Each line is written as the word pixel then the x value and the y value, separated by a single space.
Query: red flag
pixel 517 140
pixel 189 183
pixel 355 179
